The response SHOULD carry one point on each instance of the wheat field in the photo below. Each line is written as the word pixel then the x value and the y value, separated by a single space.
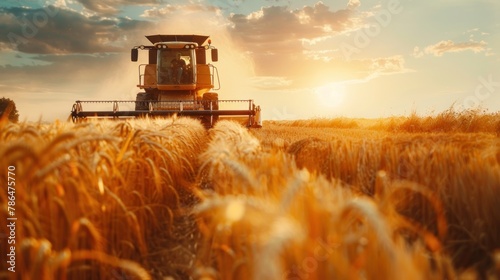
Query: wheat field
pixel 403 198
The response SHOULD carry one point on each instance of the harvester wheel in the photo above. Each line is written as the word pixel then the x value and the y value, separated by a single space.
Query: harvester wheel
pixel 210 100
pixel 140 103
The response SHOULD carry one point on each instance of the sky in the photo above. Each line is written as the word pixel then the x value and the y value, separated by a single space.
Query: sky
pixel 297 59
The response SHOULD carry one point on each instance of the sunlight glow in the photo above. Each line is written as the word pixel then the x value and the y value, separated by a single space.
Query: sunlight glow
pixel 330 95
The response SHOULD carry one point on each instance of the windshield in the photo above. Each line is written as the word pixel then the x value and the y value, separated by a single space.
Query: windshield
pixel 175 66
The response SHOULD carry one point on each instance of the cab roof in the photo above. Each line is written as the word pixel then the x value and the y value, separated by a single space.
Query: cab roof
pixel 199 39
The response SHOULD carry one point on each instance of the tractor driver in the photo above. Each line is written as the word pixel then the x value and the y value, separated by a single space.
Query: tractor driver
pixel 178 67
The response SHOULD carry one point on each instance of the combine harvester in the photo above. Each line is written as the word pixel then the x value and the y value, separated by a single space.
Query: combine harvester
pixel 177 80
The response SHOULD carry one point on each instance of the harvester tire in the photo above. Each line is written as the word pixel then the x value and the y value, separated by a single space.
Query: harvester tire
pixel 140 101
pixel 210 99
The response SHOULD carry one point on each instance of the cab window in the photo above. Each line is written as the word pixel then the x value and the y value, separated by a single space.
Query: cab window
pixel 175 66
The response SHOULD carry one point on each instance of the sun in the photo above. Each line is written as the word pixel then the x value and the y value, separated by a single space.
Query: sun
pixel 330 95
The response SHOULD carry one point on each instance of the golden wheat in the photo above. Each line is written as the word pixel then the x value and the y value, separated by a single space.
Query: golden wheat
pixel 165 199
pixel 269 219
pixel 102 188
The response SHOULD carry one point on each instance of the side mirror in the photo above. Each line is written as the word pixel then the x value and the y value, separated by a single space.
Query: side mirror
pixel 215 55
pixel 134 53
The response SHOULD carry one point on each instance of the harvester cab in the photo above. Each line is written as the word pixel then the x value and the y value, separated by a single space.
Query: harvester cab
pixel 176 80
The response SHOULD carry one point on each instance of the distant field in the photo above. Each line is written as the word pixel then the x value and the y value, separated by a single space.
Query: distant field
pixel 399 198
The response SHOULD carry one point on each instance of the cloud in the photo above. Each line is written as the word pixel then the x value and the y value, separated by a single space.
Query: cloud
pixel 306 72
pixel 110 7
pixel 277 37
pixel 269 26
pixel 443 47
pixel 417 52
pixel 353 4
pixel 269 83
pixel 324 55
pixel 282 42
pixel 388 65
pixel 159 12
pixel 54 30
